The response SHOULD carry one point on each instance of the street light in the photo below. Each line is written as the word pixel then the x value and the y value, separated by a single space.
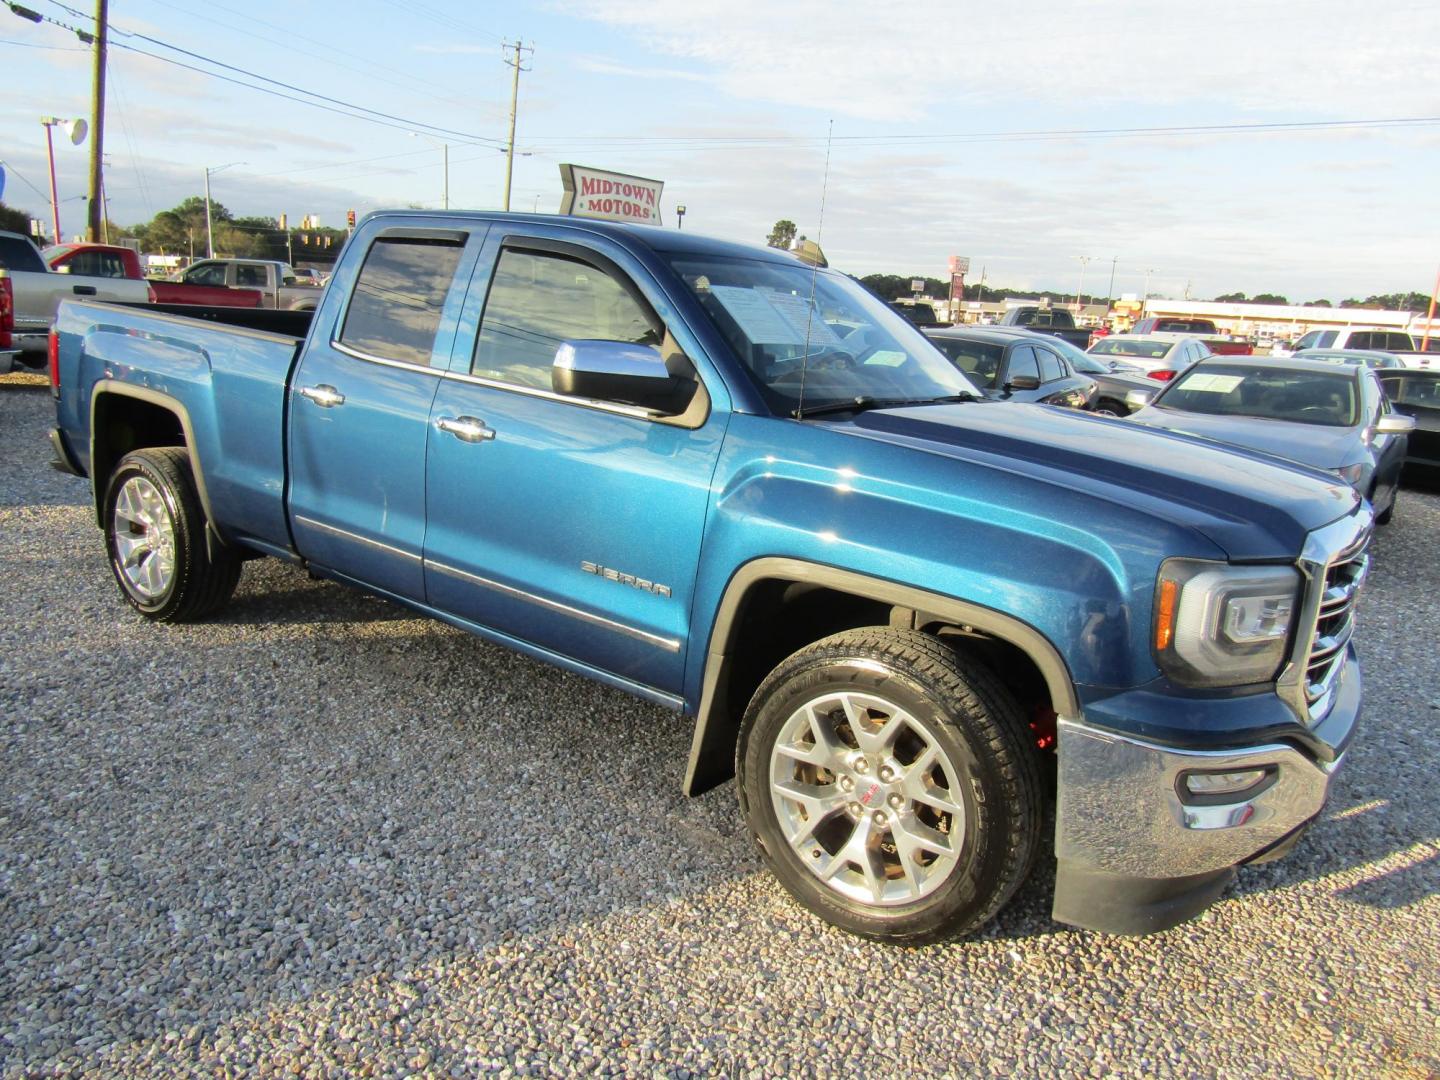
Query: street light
pixel 76 130
pixel 209 233
pixel 445 148
pixel 680 217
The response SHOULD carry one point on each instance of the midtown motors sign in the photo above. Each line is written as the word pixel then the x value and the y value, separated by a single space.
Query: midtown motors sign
pixel 595 193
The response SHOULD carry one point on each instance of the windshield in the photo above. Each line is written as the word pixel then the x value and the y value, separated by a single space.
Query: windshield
pixel 1079 359
pixel 859 348
pixel 1301 397
pixel 1119 346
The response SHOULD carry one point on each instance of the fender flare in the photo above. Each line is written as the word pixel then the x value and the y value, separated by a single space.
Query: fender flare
pixel 98 483
pixel 713 744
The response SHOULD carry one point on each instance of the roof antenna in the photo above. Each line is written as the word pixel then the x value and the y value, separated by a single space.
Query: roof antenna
pixel 814 271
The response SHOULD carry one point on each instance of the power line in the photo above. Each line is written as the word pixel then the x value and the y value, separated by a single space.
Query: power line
pixel 408 125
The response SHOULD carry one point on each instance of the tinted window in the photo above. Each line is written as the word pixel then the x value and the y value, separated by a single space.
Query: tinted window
pixel 978 359
pixel 537 301
pixel 206 274
pixel 1328 338
pixel 395 309
pixel 1361 339
pixel 1022 362
pixel 1050 366
pixel 1395 342
pixel 250 276
pixel 1413 391
pixel 97 264
pixel 1122 346
pixel 1305 397
pixel 1184 326
pixel 18 254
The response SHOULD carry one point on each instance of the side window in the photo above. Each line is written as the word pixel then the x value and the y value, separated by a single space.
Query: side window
pixel 538 300
pixel 395 309
pixel 1309 341
pixel 1050 366
pixel 249 277
pixel 1327 339
pixel 1022 362
pixel 206 274
pixel 1361 339
pixel 1398 342
pixel 111 265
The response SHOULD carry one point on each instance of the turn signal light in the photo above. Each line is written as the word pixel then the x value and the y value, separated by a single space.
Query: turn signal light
pixel 53 351
pixel 7 313
pixel 1165 616
pixel 1222 783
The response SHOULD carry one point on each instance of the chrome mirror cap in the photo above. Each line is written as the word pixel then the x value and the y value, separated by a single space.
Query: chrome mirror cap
pixel 1395 424
pixel 619 372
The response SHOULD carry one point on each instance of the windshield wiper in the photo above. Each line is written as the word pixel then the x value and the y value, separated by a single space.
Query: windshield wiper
pixel 864 403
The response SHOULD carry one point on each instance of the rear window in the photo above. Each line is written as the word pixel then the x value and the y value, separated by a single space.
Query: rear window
pixel 395 310
pixel 978 359
pixel 19 254
pixel 1184 326
pixel 1045 317
pixel 1121 346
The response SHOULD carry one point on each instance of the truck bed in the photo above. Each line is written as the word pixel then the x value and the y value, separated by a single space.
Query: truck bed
pixel 224 371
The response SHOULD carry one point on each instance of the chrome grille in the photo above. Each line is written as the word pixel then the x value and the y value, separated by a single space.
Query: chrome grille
pixel 1334 623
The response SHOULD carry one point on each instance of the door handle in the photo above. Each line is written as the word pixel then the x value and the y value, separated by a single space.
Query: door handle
pixel 466 428
pixel 326 397
pixel 83 290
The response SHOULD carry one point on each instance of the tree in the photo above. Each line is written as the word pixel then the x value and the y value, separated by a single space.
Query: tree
pixel 1319 303
pixel 13 220
pixel 783 234
pixel 1268 298
pixel 1231 298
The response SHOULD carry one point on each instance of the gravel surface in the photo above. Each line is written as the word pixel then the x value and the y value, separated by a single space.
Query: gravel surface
pixel 315 835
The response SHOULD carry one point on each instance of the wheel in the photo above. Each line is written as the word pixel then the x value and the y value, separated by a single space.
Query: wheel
pixel 1384 517
pixel 890 785
pixel 1109 407
pixel 155 535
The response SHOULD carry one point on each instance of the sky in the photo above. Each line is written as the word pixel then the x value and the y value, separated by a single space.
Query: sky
pixel 1197 148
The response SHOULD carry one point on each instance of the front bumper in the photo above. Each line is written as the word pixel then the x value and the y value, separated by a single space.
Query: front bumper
pixel 1137 853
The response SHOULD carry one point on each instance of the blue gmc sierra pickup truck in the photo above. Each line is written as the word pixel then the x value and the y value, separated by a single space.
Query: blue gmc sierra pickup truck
pixel 906 619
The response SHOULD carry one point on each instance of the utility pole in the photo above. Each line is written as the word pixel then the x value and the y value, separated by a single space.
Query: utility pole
pixel 514 103
pixel 1110 292
pixel 97 127
pixel 1084 262
pixel 209 232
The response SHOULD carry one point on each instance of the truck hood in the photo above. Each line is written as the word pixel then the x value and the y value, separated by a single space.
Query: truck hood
pixel 1251 505
pixel 1311 444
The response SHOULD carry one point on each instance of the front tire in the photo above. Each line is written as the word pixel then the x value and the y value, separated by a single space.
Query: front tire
pixel 155 536
pixel 890 785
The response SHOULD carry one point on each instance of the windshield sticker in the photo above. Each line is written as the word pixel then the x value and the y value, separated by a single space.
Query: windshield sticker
pixel 802 318
pixel 759 319
pixel 1213 384
pixel 886 358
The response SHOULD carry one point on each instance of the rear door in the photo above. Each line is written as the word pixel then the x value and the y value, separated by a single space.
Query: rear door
pixel 359 408
pixel 570 525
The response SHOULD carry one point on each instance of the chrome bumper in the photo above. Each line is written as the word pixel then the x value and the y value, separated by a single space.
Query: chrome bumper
pixel 1136 852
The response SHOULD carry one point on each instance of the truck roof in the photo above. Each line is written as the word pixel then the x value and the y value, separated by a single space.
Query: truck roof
pixel 668 241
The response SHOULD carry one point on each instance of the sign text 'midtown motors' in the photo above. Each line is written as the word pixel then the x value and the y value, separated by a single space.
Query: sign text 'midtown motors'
pixel 595 193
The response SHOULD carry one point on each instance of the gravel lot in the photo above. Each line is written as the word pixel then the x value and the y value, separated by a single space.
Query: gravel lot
pixel 317 836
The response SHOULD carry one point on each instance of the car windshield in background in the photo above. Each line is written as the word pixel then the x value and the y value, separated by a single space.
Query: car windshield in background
pixel 1118 346
pixel 979 360
pixel 858 347
pixel 1301 397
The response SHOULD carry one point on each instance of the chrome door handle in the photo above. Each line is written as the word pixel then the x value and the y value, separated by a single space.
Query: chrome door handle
pixel 466 428
pixel 326 397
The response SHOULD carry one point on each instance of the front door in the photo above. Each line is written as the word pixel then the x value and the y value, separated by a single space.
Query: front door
pixel 360 412
pixel 572 526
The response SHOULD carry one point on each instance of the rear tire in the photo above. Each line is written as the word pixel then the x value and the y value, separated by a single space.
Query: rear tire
pixel 891 785
pixel 155 536
pixel 1109 407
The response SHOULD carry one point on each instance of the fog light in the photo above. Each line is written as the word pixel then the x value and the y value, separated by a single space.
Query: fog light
pixel 1222 783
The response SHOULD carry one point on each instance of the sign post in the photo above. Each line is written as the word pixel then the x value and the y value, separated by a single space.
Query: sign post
pixel 595 193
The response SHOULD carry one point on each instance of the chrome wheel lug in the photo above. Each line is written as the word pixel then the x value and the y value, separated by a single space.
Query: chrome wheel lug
pixel 856 809
pixel 896 801
pixel 887 774
pixel 862 766
pixel 846 784
pixel 880 817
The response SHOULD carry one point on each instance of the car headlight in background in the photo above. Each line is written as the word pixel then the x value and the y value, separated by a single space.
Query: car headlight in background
pixel 1222 625
pixel 1351 473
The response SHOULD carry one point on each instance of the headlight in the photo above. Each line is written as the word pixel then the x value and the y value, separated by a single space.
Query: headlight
pixel 1222 625
pixel 1351 473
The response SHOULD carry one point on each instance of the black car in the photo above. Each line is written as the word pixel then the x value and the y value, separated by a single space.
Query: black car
pixel 1014 365
pixel 1416 393
pixel 1113 380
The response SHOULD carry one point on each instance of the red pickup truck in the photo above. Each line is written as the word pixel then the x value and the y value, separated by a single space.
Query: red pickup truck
pixel 107 260
pixel 1218 343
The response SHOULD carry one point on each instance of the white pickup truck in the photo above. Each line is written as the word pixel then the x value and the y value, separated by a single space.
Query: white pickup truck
pixel 1370 338
pixel 35 292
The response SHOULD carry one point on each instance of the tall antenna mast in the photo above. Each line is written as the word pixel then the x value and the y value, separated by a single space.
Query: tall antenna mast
pixel 514 105
pixel 814 272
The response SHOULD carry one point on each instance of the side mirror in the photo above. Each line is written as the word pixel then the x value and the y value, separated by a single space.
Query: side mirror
pixel 619 372
pixel 1138 399
pixel 1395 424
pixel 1023 382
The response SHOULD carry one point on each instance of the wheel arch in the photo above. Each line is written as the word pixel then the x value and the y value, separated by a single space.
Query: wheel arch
pixel 124 417
pixel 845 597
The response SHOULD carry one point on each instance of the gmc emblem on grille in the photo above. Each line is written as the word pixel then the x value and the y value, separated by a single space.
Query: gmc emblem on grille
pixel 609 573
